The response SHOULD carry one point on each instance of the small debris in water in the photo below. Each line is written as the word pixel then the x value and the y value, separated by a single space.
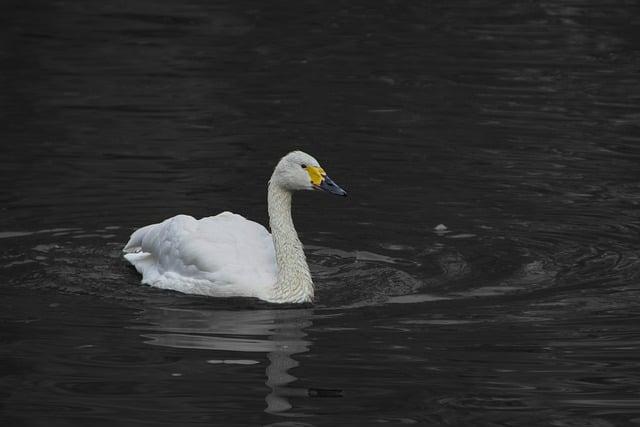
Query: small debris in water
pixel 441 229
pixel 324 392
pixel 233 361
pixel 82 347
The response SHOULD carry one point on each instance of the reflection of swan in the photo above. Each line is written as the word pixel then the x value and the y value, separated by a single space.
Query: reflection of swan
pixel 239 331
pixel 228 255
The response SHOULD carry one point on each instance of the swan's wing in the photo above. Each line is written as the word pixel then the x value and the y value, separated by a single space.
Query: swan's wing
pixel 226 253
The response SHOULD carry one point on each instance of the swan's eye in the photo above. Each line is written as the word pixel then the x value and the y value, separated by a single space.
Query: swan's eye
pixel 303 166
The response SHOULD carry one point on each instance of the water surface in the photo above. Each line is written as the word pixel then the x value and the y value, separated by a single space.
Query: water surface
pixel 483 270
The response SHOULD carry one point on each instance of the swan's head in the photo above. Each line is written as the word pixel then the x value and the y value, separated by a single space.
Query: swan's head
pixel 300 171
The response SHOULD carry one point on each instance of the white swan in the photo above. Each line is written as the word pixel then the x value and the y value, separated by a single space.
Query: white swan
pixel 227 255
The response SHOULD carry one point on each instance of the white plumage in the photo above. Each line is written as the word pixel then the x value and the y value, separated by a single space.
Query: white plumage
pixel 227 255
pixel 223 255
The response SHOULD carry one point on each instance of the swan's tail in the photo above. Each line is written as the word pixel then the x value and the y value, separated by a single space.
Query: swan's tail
pixel 135 241
pixel 141 260
pixel 144 263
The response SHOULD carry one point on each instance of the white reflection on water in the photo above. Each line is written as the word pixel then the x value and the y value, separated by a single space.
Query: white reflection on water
pixel 279 333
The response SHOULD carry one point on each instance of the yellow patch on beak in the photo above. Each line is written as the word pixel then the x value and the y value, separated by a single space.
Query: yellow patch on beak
pixel 316 174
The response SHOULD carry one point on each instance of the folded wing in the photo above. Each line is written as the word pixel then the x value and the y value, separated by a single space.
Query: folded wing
pixel 223 255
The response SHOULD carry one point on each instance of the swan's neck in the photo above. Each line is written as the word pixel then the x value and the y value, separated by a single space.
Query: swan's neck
pixel 294 279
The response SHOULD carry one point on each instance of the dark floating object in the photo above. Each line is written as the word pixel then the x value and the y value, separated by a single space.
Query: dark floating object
pixel 324 392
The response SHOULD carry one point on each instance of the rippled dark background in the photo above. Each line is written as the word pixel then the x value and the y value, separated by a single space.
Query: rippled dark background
pixel 514 124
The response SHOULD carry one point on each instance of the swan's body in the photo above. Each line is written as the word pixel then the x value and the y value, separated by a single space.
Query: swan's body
pixel 227 255
pixel 222 255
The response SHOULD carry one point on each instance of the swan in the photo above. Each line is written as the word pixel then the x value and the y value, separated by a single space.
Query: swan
pixel 227 255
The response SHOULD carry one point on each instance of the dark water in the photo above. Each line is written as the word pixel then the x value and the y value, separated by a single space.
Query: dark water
pixel 514 124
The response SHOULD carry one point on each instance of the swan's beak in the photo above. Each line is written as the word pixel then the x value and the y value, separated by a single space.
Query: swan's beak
pixel 321 181
pixel 331 187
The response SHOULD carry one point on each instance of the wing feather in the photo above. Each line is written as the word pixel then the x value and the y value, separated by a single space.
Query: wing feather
pixel 221 255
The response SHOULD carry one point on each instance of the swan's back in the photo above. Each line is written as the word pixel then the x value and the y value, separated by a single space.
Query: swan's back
pixel 222 255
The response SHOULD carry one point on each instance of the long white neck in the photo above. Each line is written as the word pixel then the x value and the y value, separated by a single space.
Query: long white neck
pixel 294 282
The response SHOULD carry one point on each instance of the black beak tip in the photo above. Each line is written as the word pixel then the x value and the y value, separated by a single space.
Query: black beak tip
pixel 331 187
